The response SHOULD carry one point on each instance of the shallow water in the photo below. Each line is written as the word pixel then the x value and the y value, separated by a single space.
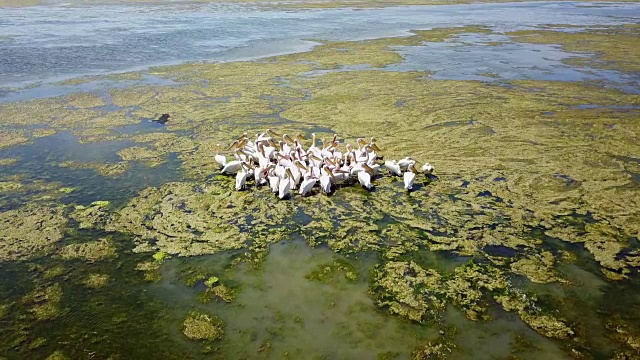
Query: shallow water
pixel 278 312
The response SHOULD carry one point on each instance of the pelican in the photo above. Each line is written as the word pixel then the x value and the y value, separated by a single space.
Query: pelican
pixel 307 185
pixel 393 167
pixel 274 183
pixel 406 162
pixel 364 177
pixel 284 186
pixel 365 180
pixel 287 165
pixel 232 167
pixel 325 180
pixel 427 168
pixel 409 177
pixel 220 159
pixel 241 176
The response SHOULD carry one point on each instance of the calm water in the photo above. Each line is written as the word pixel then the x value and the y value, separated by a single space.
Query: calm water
pixel 277 304
pixel 48 43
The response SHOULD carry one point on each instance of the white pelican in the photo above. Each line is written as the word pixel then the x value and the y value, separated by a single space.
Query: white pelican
pixel 365 180
pixel 241 176
pixel 220 159
pixel 409 177
pixel 406 162
pixel 427 168
pixel 285 185
pixel 232 167
pixel 393 167
pixel 307 185
pixel 274 182
pixel 325 180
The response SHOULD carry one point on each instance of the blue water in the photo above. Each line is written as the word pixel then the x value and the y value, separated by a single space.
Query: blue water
pixel 60 41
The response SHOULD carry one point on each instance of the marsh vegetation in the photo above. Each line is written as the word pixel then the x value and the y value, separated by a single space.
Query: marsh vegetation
pixel 120 238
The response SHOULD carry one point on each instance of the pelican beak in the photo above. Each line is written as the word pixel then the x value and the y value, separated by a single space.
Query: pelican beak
pixel 243 136
pixel 368 169
pixel 287 138
pixel 288 171
pixel 300 166
pixel 300 137
pixel 333 178
pixel 362 142
pixel 273 133
pixel 315 158
pixel 375 147
pixel 274 144
pixel 233 145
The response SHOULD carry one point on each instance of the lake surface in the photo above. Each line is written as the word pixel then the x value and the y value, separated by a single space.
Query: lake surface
pixel 300 286
pixel 60 41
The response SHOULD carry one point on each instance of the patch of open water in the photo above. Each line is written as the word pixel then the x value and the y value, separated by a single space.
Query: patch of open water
pixel 50 43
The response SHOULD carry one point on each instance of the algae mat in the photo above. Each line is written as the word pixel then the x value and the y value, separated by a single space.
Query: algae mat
pixel 528 232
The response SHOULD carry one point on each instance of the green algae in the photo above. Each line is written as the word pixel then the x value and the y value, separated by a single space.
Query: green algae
pixel 505 170
pixel 407 289
pixel 161 256
pixel 92 216
pixel 10 138
pixel 57 355
pixel 7 161
pixel 202 326
pixel 96 281
pixel 45 302
pixel 327 273
pixel 138 153
pixel 104 169
pixel 193 219
pixel 151 270
pixel 538 268
pixel 89 251
pixel 30 231
pixel 4 310
pixel 613 46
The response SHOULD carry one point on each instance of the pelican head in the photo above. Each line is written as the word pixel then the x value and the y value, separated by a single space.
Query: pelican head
pixel 233 145
pixel 243 136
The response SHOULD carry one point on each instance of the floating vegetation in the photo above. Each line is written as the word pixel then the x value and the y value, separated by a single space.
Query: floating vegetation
pixel 151 270
pixel 138 153
pixel 45 302
pixel 90 251
pixel 7 161
pixel 202 326
pixel 30 232
pixel 510 222
pixel 96 281
pixel 92 216
pixel 114 169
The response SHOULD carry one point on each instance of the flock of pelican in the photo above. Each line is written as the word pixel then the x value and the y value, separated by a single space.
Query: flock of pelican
pixel 285 165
